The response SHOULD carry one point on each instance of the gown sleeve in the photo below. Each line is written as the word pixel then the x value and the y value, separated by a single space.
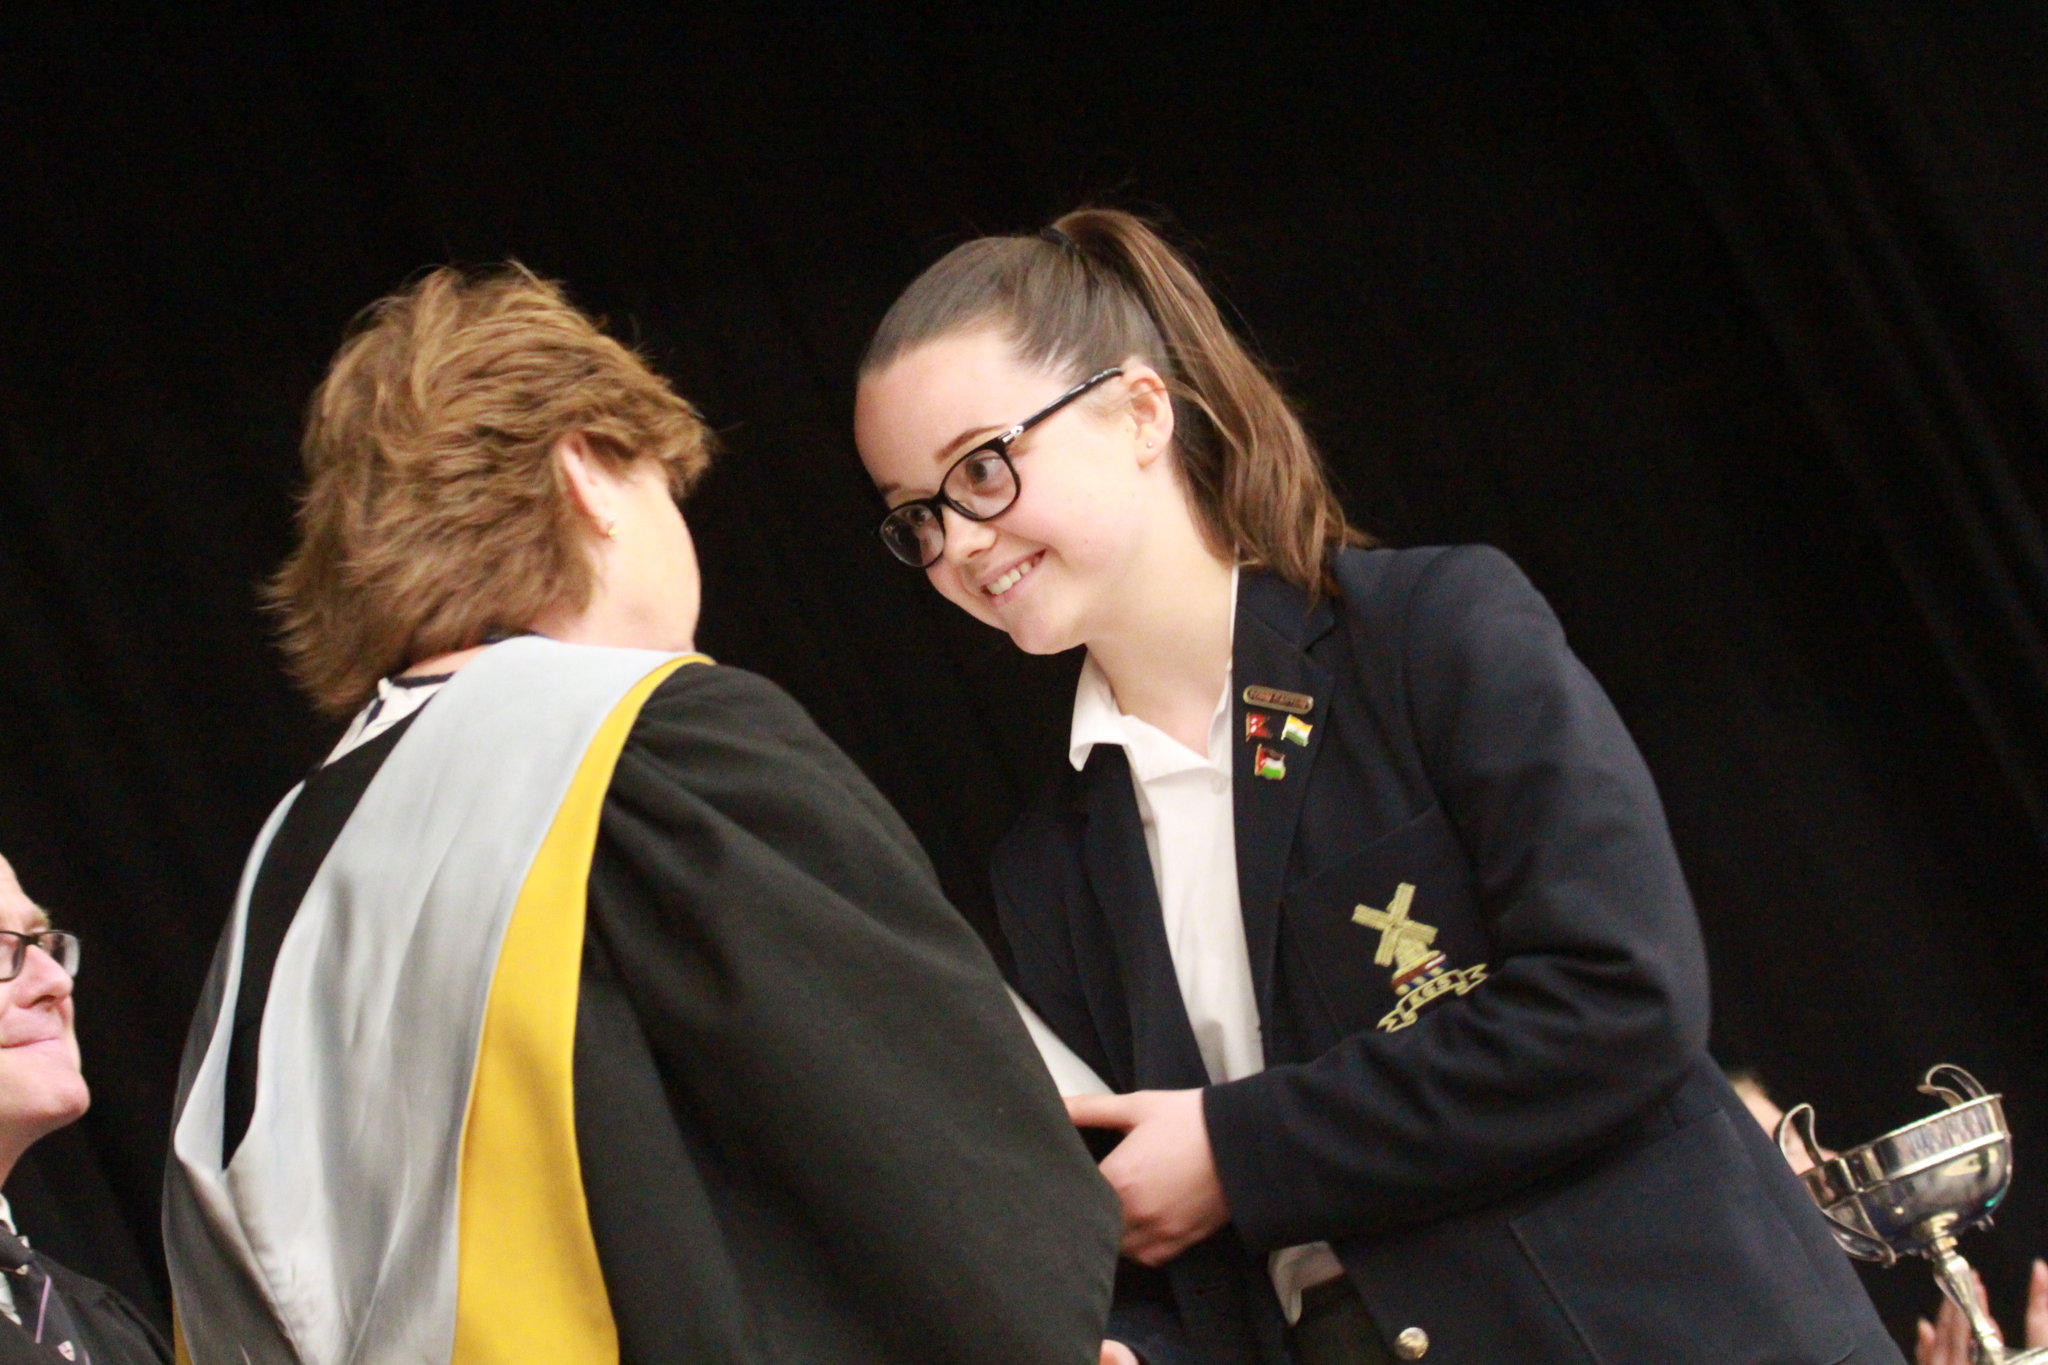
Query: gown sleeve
pixel 825 1020
pixel 1597 1004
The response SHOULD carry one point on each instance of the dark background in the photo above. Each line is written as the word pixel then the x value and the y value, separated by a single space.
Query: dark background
pixel 1730 325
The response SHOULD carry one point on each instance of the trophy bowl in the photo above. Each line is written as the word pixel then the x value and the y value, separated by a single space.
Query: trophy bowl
pixel 1896 1195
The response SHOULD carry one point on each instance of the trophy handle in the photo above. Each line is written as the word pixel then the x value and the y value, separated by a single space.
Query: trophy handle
pixel 1799 1119
pixel 1857 1241
pixel 1970 1089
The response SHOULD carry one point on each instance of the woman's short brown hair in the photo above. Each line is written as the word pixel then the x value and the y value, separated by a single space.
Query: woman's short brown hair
pixel 434 509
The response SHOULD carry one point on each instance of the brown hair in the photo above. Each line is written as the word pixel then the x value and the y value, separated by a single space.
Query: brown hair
pixel 434 509
pixel 1101 286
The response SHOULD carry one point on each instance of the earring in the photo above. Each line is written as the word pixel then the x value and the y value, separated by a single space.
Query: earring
pixel 611 528
pixel 1150 444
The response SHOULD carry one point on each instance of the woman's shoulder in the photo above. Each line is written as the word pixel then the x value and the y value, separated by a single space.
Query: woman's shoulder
pixel 702 676
pixel 706 690
pixel 735 739
pixel 707 715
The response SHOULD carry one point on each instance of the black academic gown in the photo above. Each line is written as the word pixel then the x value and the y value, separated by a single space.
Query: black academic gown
pixel 114 1331
pixel 1544 1167
pixel 810 1128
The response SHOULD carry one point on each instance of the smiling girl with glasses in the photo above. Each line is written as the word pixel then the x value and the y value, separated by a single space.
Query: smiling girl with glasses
pixel 1357 894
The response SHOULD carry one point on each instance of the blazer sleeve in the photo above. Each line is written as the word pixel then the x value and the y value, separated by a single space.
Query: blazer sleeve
pixel 820 1010
pixel 1596 1003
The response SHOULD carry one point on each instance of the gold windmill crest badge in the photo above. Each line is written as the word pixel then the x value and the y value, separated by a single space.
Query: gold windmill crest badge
pixel 1421 974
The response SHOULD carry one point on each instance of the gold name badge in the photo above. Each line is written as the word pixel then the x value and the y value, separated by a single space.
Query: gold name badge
pixel 1273 699
pixel 1421 974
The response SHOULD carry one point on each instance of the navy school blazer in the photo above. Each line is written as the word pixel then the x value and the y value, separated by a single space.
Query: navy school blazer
pixel 1483 999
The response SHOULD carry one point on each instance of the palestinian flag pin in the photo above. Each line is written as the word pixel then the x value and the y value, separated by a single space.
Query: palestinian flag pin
pixel 1270 764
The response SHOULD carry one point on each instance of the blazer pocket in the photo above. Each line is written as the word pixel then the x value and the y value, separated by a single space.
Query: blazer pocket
pixel 1672 1253
pixel 1391 931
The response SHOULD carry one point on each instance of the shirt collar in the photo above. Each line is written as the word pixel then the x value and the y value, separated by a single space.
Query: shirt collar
pixel 1097 720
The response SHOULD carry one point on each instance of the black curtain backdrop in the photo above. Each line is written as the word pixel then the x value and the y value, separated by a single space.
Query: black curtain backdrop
pixel 1731 324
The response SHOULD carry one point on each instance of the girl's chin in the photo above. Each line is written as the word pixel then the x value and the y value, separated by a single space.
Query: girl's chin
pixel 1027 628
pixel 1034 638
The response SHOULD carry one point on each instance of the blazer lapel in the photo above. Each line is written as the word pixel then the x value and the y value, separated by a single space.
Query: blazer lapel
pixel 1163 1051
pixel 1275 625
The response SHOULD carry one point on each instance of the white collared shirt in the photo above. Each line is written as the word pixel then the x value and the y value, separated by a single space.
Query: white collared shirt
pixel 396 699
pixel 1185 802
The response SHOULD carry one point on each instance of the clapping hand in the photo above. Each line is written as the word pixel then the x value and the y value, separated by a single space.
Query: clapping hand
pixel 1946 1340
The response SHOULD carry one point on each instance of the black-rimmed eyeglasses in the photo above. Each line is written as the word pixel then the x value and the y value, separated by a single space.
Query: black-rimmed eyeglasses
pixel 14 948
pixel 980 486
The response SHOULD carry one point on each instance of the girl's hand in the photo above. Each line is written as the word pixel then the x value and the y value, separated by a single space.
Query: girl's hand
pixel 1116 1353
pixel 1163 1170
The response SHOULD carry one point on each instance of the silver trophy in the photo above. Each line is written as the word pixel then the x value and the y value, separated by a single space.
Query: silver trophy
pixel 1912 1191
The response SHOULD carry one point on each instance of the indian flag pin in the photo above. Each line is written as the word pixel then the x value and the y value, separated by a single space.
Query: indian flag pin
pixel 1296 731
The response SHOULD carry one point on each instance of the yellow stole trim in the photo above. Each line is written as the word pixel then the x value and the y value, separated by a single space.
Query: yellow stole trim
pixel 529 1284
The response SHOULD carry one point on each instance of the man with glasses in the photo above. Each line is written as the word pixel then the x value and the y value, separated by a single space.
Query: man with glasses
pixel 47 1313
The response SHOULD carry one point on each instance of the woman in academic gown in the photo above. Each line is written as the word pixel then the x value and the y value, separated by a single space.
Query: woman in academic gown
pixel 587 1003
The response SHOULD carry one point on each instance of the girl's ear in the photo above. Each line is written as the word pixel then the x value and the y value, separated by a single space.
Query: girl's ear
pixel 1150 411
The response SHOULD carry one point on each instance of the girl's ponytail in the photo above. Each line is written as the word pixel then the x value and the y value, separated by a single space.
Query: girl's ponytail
pixel 1100 286
pixel 1255 475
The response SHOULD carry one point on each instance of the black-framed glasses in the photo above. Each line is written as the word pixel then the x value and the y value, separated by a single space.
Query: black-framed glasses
pixel 980 486
pixel 14 950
